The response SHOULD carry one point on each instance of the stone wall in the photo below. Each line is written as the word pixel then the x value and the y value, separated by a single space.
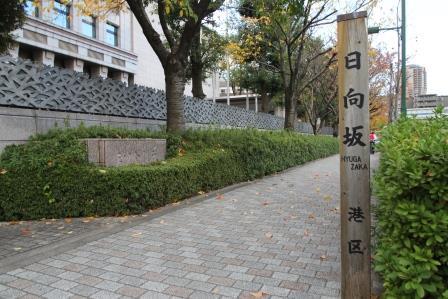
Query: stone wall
pixel 34 98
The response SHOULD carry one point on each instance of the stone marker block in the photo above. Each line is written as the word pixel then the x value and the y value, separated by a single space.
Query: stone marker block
pixel 119 152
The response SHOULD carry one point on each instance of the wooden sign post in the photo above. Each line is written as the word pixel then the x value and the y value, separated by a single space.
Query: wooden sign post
pixel 354 151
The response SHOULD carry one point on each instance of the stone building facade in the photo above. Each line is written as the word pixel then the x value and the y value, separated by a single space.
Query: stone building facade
pixel 56 33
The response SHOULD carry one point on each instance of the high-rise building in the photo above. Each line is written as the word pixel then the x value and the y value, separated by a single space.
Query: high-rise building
pixel 416 81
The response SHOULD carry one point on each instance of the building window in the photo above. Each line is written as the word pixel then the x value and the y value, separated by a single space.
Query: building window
pixel 111 36
pixel 32 8
pixel 61 14
pixel 88 26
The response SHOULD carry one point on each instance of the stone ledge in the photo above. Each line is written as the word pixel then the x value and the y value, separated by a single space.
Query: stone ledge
pixel 119 152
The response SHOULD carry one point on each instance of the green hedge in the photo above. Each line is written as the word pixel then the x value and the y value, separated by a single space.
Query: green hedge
pixel 412 189
pixel 50 177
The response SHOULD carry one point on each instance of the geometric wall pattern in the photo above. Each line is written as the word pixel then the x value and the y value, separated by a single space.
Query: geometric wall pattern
pixel 25 84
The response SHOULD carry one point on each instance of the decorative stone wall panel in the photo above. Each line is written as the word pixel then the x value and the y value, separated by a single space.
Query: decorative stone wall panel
pixel 27 85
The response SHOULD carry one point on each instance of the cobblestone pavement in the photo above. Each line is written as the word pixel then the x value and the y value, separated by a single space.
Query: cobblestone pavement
pixel 22 236
pixel 277 237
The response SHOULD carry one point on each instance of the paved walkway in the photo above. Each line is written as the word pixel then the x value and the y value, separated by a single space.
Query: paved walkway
pixel 277 237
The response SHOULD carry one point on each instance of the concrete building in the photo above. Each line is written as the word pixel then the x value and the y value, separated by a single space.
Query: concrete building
pixel 416 81
pixel 430 101
pixel 57 34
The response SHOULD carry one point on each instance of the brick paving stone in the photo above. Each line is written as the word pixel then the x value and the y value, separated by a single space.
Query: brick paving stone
pixel 197 276
pixel 57 294
pixel 324 291
pixel 226 291
pixel 131 291
pixel 215 248
pixel 84 290
pixel 203 295
pixel 178 291
pixel 177 281
pixel 271 290
pixel 64 284
pixel 11 293
pixel 109 285
pixel 201 286
pixel 30 296
pixel 103 294
pixel 155 286
pixel 247 285
pixel 222 281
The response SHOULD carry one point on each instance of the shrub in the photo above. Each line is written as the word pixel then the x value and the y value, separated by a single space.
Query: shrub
pixel 50 177
pixel 412 189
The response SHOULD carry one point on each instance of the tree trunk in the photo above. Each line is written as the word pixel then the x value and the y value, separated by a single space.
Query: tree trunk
pixel 175 87
pixel 290 111
pixel 196 67
pixel 314 127
pixel 264 101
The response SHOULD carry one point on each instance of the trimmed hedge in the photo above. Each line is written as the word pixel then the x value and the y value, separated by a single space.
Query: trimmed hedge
pixel 412 189
pixel 50 176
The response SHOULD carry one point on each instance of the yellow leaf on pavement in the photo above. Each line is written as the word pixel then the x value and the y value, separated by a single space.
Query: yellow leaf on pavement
pixel 258 294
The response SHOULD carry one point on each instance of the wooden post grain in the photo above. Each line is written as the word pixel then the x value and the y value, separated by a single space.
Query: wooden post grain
pixel 354 155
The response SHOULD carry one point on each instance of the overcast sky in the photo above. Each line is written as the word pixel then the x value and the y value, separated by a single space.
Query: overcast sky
pixel 427 37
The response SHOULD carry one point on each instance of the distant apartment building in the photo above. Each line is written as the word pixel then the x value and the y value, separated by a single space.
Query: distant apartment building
pixel 416 81
pixel 430 101
pixel 57 34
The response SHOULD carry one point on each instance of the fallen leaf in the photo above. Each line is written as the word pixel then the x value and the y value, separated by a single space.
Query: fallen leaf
pixel 201 192
pixel 102 171
pixel 135 235
pixel 176 203
pixel 268 235
pixel 162 221
pixel 13 222
pixel 323 257
pixel 48 222
pixel 3 171
pixel 327 197
pixel 68 220
pixel 317 190
pixel 181 152
pixel 265 203
pixel 311 216
pixel 220 197
pixel 88 219
pixel 258 294
pixel 306 233
pixel 50 163
pixel 25 231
